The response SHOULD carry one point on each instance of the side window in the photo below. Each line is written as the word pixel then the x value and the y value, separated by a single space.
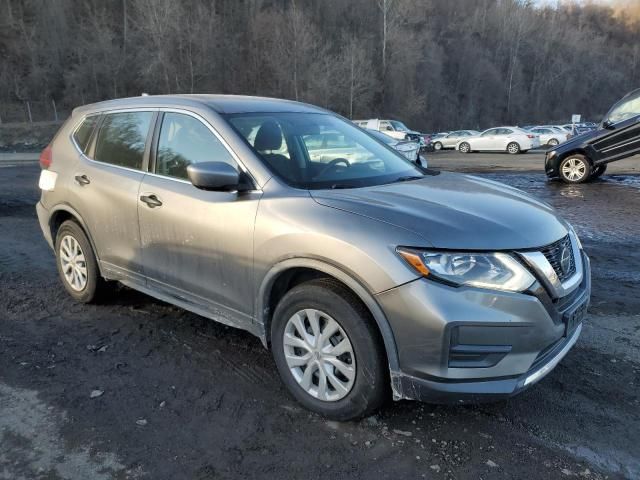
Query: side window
pixel 505 131
pixel 84 131
pixel 384 125
pixel 493 131
pixel 185 140
pixel 122 138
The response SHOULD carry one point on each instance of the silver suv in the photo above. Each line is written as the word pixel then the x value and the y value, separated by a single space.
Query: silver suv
pixel 364 275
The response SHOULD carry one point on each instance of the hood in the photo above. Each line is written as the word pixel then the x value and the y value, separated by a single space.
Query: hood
pixel 577 141
pixel 454 211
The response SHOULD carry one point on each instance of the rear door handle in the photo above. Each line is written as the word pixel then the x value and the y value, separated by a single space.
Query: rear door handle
pixel 151 200
pixel 82 179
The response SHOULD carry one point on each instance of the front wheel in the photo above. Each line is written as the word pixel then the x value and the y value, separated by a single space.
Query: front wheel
pixel 574 169
pixel 437 146
pixel 552 142
pixel 464 147
pixel 513 148
pixel 328 351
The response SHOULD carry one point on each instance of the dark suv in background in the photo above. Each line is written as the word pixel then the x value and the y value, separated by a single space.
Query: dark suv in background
pixel 586 156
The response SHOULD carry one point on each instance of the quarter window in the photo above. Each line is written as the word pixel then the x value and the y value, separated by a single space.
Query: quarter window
pixel 185 140
pixel 122 138
pixel 84 131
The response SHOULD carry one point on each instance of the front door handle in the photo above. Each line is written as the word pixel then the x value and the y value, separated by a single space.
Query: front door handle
pixel 82 179
pixel 151 200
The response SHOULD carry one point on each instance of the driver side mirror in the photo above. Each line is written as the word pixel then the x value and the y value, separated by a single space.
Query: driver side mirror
pixel 608 124
pixel 215 176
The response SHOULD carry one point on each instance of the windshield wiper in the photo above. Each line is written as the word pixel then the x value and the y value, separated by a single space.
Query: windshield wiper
pixel 337 186
pixel 408 178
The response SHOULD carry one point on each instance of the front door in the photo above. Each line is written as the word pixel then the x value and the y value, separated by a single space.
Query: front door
pixel 623 124
pixel 197 245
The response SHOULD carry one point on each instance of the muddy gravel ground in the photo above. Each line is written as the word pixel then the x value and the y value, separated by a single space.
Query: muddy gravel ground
pixel 137 388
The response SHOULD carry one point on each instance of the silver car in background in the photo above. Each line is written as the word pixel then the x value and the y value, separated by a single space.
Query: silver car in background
pixel 364 278
pixel 451 140
pixel 512 140
pixel 409 149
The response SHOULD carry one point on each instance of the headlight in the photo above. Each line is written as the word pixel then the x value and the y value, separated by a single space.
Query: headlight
pixel 495 271
pixel 573 233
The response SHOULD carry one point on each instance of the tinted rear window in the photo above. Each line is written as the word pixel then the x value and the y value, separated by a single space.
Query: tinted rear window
pixel 84 131
pixel 122 138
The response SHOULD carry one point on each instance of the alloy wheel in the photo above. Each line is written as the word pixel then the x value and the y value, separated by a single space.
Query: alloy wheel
pixel 73 263
pixel 513 148
pixel 464 147
pixel 437 146
pixel 319 355
pixel 574 169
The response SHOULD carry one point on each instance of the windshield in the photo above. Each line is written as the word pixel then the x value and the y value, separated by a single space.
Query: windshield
pixel 626 108
pixel 383 137
pixel 316 150
pixel 399 126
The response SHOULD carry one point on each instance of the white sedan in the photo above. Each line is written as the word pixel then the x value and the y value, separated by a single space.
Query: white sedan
pixel 550 136
pixel 506 139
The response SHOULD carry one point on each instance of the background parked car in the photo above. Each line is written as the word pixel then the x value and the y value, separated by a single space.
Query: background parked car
pixel 393 128
pixel 408 148
pixel 549 136
pixel 507 139
pixel 450 140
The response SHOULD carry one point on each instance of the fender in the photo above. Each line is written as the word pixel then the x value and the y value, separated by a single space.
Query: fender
pixel 64 207
pixel 348 280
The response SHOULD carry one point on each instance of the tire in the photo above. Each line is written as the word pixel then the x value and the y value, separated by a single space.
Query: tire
pixel 553 142
pixel 331 302
pixel 513 148
pixel 437 146
pixel 598 171
pixel 74 253
pixel 574 169
pixel 464 147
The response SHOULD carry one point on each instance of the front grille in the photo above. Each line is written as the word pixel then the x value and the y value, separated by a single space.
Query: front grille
pixel 554 255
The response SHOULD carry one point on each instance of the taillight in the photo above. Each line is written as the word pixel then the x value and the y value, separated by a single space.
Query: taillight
pixel 46 157
pixel 531 136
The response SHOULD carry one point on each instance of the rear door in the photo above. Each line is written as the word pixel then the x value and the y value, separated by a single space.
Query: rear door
pixel 197 245
pixel 623 124
pixel 105 189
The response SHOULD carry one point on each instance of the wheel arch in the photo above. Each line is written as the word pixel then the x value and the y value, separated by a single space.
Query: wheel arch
pixel 60 214
pixel 289 273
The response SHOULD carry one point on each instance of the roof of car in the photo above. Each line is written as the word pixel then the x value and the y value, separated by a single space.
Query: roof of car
pixel 218 103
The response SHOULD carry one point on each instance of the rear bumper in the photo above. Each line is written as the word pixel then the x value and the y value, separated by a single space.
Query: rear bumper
pixel 43 219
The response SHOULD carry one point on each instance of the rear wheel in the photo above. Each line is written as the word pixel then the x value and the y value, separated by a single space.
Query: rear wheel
pixel 77 264
pixel 575 169
pixel 464 147
pixel 513 148
pixel 328 351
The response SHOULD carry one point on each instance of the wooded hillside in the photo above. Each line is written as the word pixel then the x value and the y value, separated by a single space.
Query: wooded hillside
pixel 435 64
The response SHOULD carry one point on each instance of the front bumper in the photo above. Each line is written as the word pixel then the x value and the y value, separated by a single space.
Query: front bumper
pixel 519 338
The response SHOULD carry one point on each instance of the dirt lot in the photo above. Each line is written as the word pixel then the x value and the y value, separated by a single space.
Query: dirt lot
pixel 177 396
